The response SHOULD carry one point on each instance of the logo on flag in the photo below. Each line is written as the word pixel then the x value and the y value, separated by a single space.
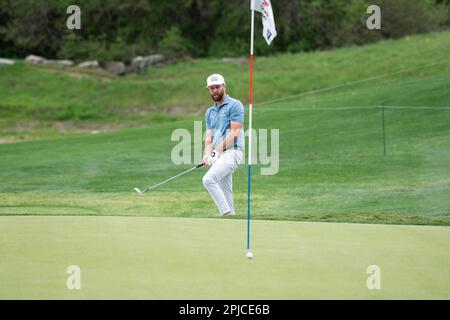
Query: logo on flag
pixel 265 7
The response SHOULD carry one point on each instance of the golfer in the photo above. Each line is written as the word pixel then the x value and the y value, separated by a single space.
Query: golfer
pixel 224 144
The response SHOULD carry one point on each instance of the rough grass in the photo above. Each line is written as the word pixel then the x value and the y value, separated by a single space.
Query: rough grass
pixel 53 94
pixel 332 165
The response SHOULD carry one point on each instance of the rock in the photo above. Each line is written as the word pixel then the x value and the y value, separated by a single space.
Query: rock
pixel 152 60
pixel 32 59
pixel 6 61
pixel 66 63
pixel 89 64
pixel 116 67
pixel 138 63
pixel 155 59
pixel 240 60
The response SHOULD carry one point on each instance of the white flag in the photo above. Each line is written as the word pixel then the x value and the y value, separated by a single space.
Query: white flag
pixel 265 7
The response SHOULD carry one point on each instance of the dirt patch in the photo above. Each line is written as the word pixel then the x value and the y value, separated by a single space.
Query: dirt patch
pixel 90 126
pixel 78 73
pixel 14 139
pixel 39 130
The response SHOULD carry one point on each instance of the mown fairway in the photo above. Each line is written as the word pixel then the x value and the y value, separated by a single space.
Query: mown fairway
pixel 332 165
pixel 68 199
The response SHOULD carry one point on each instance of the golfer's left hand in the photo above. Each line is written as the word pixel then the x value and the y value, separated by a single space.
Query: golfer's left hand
pixel 214 155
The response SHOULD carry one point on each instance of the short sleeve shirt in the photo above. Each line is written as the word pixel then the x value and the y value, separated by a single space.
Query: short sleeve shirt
pixel 219 120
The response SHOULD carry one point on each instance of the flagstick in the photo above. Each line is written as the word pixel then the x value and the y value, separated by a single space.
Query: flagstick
pixel 250 130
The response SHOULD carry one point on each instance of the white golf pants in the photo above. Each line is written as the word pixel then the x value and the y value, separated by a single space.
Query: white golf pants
pixel 219 181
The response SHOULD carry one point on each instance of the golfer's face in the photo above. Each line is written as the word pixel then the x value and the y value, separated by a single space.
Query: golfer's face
pixel 217 92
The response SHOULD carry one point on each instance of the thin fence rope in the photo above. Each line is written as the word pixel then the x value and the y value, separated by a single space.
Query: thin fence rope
pixel 420 107
pixel 386 75
pixel 355 108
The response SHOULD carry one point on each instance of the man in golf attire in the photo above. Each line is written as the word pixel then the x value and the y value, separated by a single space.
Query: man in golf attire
pixel 224 144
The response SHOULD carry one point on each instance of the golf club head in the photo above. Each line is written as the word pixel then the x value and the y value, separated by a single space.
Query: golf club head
pixel 138 190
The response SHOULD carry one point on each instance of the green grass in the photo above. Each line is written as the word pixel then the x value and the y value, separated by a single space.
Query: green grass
pixel 183 258
pixel 68 198
pixel 332 166
pixel 49 93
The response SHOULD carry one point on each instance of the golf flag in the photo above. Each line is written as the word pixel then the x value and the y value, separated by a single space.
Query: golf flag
pixel 265 7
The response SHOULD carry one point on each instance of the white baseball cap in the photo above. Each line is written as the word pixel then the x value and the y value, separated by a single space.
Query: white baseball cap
pixel 215 79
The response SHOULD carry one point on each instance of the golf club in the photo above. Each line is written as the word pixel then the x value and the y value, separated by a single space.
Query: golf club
pixel 167 180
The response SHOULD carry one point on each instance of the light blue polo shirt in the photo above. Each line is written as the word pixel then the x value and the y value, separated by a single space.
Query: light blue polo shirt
pixel 218 120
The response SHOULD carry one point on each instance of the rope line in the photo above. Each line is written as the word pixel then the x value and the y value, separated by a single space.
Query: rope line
pixel 352 83
pixel 356 108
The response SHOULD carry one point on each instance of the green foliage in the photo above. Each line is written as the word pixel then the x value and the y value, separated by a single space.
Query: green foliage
pixel 231 33
pixel 173 45
pixel 119 30
pixel 404 17
pixel 6 49
pixel 75 48
pixel 35 26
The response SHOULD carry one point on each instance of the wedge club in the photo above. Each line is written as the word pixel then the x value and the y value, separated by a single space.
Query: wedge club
pixel 167 180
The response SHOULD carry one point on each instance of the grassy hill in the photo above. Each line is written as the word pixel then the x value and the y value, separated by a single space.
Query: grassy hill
pixel 332 162
pixel 36 97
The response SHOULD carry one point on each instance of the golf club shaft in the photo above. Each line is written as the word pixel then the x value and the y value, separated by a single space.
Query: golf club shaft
pixel 167 180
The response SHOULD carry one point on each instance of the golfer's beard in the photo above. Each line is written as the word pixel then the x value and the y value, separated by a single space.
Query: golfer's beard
pixel 218 97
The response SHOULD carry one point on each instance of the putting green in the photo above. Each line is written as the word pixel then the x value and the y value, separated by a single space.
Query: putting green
pixel 185 258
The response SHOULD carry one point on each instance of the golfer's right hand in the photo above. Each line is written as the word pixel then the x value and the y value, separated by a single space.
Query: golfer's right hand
pixel 205 160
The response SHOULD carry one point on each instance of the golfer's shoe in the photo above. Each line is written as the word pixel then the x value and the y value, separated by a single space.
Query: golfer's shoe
pixel 230 213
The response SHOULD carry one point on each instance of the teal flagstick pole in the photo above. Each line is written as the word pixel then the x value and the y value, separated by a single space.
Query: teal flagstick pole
pixel 249 166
